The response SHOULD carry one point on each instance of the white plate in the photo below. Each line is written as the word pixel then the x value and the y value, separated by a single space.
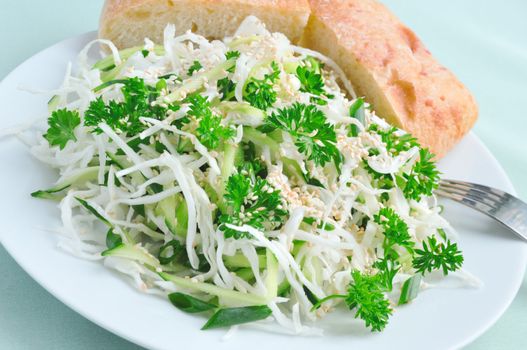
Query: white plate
pixel 438 319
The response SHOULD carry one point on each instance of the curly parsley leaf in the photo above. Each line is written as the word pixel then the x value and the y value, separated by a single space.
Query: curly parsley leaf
pixel 232 54
pixel 225 85
pixel 423 178
pixel 260 93
pixel 210 131
pixel 395 232
pixel 251 201
pixel 311 81
pixel 395 142
pixel 313 135
pixel 435 256
pixel 62 124
pixel 124 116
pixel 226 88
pixel 196 66
pixel 366 296
pixel 387 270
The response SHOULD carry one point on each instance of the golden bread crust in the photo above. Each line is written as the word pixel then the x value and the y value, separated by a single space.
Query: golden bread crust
pixel 418 94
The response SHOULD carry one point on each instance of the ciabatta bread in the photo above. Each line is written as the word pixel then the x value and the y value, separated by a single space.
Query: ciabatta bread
pixel 128 22
pixel 390 66
pixel 383 59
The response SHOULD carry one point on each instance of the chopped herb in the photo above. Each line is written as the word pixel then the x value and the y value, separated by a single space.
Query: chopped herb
pixel 210 132
pixel 310 81
pixel 251 201
pixel 395 142
pixel 365 296
pixel 124 116
pixel 196 66
pixel 232 54
pixel 260 93
pixel 62 124
pixel 387 270
pixel 395 232
pixel 313 135
pixel 435 256
pixel 423 179
pixel 226 87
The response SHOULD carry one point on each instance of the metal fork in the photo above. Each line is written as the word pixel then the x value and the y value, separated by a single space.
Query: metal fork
pixel 499 205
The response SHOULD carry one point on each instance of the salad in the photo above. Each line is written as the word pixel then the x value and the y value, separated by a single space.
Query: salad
pixel 243 179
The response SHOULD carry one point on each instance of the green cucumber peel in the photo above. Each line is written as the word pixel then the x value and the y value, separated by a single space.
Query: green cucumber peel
pixel 237 315
pixel 190 304
pixel 132 252
pixel 271 279
pixel 410 289
pixel 92 210
pixel 260 139
pixel 226 294
pixel 108 62
pixel 82 176
pixel 239 260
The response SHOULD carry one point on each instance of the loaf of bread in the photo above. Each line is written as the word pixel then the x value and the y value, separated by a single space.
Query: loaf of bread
pixel 128 22
pixel 390 66
pixel 384 60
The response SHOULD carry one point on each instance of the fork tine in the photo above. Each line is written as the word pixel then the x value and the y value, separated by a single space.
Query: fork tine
pixel 499 205
pixel 470 202
pixel 483 188
pixel 473 194
pixel 463 186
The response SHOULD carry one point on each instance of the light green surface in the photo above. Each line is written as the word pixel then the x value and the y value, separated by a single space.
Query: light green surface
pixel 483 42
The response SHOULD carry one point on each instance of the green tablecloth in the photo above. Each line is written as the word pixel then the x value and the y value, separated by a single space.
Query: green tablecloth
pixel 483 42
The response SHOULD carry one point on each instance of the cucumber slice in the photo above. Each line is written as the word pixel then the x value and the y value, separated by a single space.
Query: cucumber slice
pixel 232 296
pixel 133 252
pixel 77 177
pixel 174 211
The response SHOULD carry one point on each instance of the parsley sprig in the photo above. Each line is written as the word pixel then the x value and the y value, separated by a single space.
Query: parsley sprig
pixel 250 201
pixel 311 81
pixel 260 93
pixel 196 66
pixel 210 131
pixel 312 134
pixel 435 256
pixel 62 124
pixel 395 232
pixel 421 180
pixel 366 296
pixel 395 143
pixel 225 85
pixel 124 116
